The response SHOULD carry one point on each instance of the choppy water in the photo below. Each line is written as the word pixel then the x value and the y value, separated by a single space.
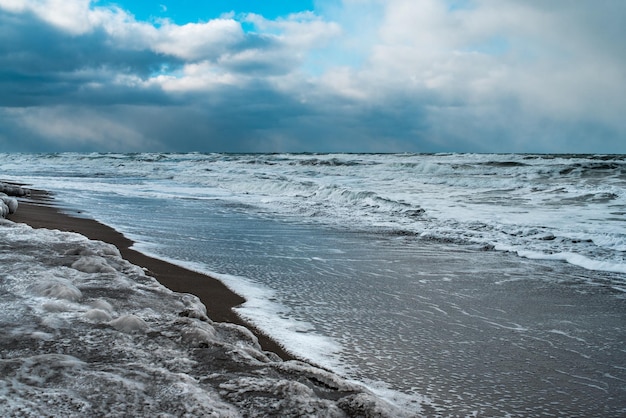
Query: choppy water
pixel 490 284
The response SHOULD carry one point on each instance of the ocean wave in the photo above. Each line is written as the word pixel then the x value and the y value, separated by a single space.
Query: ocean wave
pixel 443 195
pixel 330 162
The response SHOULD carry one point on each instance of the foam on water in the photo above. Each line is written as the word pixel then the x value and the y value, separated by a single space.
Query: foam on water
pixel 410 319
pixel 542 204
pixel 576 260
pixel 264 311
pixel 297 336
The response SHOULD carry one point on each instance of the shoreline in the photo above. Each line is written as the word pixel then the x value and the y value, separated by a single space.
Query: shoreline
pixel 38 211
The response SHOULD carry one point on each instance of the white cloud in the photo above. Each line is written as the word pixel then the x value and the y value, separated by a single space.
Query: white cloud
pixel 195 41
pixel 192 41
pixel 543 55
pixel 303 30
pixel 279 48
pixel 195 77
pixel 69 15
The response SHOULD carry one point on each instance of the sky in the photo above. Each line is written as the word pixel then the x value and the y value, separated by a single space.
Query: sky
pixel 313 76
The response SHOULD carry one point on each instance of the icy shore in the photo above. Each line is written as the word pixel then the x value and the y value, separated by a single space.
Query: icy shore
pixel 86 333
pixel 8 203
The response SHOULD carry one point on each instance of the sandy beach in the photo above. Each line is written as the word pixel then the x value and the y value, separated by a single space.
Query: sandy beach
pixel 38 211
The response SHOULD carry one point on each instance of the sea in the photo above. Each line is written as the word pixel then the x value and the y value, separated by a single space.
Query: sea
pixel 447 284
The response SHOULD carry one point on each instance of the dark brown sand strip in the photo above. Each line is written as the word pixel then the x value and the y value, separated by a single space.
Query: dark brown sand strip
pixel 38 212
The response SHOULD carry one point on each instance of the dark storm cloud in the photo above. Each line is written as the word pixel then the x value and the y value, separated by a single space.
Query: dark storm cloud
pixel 33 46
pixel 44 65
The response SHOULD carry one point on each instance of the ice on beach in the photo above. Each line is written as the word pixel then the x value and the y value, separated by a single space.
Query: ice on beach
pixel 86 333
pixel 8 204
pixel 13 190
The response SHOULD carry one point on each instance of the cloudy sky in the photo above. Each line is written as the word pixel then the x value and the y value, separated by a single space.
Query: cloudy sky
pixel 313 75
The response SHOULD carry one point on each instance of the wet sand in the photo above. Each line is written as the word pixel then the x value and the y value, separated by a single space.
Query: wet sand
pixel 39 211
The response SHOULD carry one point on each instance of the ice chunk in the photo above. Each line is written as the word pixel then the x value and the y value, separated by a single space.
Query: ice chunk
pixel 40 335
pixel 59 289
pixel 92 264
pixel 97 315
pixel 39 369
pixel 13 190
pixel 287 398
pixel 102 305
pixel 8 205
pixel 109 250
pixel 196 333
pixel 194 308
pixel 129 324
pixel 54 322
pixel 56 307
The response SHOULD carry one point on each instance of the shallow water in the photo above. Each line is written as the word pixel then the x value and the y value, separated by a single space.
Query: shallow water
pixel 470 330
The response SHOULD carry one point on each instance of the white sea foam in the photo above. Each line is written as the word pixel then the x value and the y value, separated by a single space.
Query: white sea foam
pixel 535 203
pixel 263 310
pixel 75 343
pixel 577 260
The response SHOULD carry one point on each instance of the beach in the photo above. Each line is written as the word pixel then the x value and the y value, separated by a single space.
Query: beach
pixel 447 285
pixel 39 212
pixel 89 333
